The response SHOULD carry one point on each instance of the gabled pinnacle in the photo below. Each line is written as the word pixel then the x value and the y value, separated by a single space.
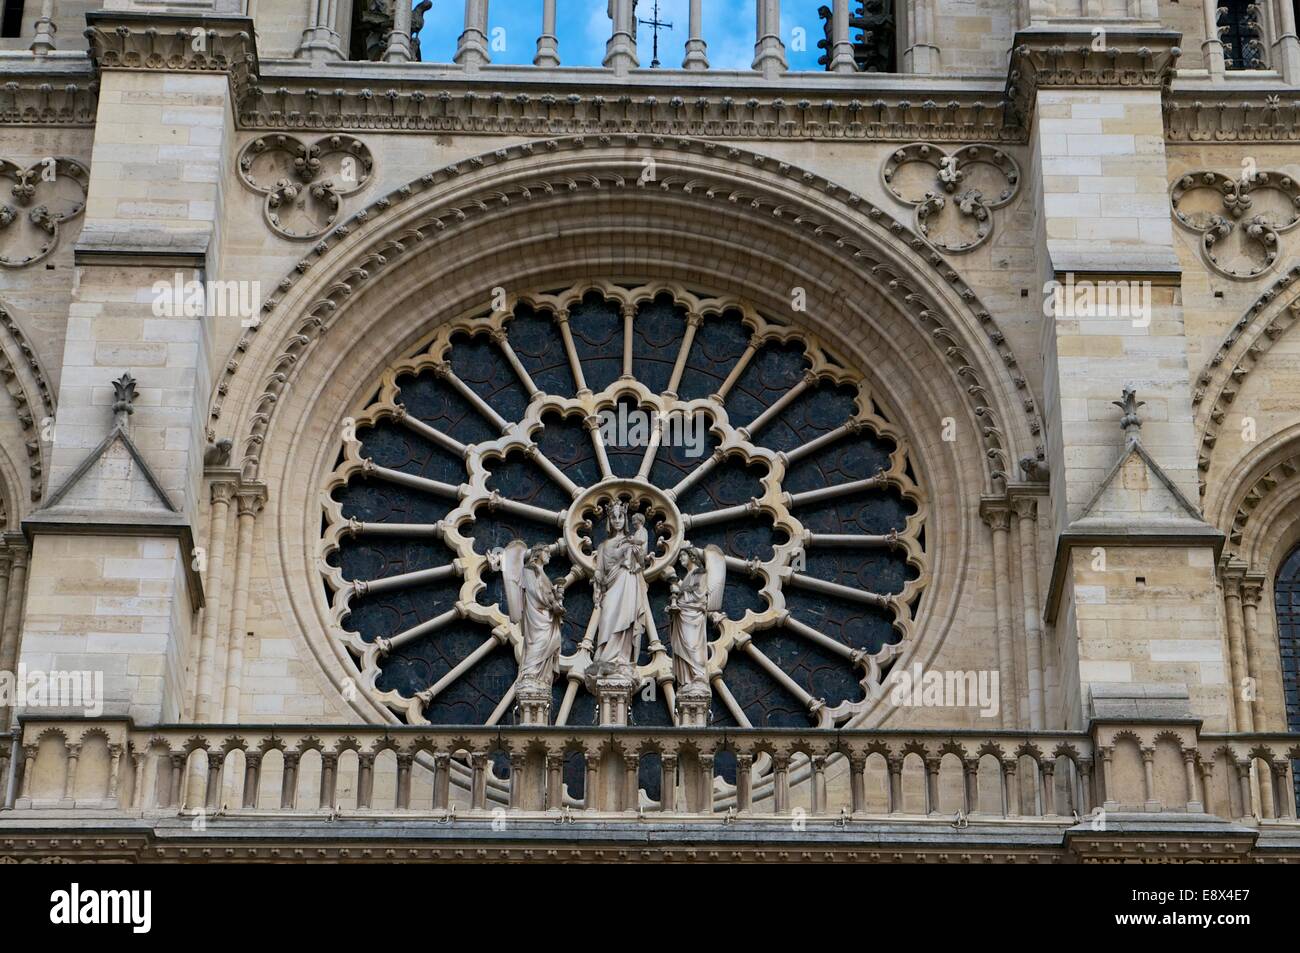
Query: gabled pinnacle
pixel 1130 422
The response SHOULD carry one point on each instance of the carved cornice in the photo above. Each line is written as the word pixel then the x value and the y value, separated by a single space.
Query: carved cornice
pixel 1079 59
pixel 50 97
pixel 1219 115
pixel 175 42
pixel 521 107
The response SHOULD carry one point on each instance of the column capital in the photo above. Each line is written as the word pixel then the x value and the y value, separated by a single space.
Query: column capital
pixel 996 514
pixel 1252 588
pixel 250 498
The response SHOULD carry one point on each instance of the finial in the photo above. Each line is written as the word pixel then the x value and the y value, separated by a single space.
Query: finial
pixel 124 395
pixel 1130 423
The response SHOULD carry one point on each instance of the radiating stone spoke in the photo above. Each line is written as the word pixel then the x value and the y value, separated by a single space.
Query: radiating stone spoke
pixel 445 372
pixel 372 587
pixel 888 540
pixel 571 350
pixel 697 520
pixel 503 342
pixel 844 592
pixel 737 369
pixel 503 706
pixel 779 675
pixel 436 487
pixel 535 454
pixel 819 638
pixel 463 666
pixel 819 443
pixel 592 424
pixel 693 321
pixel 838 490
pixel 776 407
pixel 729 702
pixel 699 473
pixel 417 530
pixel 498 502
pixel 432 433
pixel 386 646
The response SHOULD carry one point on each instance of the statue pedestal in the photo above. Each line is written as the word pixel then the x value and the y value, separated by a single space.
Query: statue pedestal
pixel 616 785
pixel 693 703
pixel 534 703
pixel 614 699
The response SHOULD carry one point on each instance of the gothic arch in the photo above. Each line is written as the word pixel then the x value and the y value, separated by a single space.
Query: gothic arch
pixel 1241 351
pixel 32 400
pixel 542 216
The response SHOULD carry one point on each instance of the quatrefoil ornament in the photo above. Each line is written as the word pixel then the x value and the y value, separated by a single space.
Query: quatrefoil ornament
pixel 304 183
pixel 41 198
pixel 1240 220
pixel 953 194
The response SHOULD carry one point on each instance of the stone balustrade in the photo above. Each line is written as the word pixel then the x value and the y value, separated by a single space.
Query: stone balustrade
pixel 976 776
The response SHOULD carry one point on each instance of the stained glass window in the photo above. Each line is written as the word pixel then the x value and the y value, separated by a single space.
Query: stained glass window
pixel 517 424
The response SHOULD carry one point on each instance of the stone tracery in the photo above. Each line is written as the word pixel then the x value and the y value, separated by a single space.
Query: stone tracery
pixel 475 441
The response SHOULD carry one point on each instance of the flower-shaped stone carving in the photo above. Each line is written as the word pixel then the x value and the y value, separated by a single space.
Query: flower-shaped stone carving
pixel 42 196
pixel 1239 219
pixel 304 183
pixel 953 194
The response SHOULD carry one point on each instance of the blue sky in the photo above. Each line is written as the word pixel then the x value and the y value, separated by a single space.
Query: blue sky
pixel 583 27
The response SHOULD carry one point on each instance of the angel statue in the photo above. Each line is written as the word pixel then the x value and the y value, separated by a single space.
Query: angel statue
pixel 537 605
pixel 620 595
pixel 695 598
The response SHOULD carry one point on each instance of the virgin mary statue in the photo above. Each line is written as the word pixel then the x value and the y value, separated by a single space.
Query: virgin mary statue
pixel 620 596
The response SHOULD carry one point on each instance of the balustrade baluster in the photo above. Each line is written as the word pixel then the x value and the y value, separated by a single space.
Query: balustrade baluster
pixel 1248 806
pixel 818 763
pixel 554 782
pixel 289 783
pixel 1011 774
pixel 631 782
pixel 174 791
pixel 858 783
pixel 932 785
pixel 70 771
pixel 478 761
pixel 971 775
pixel 252 778
pixel 441 780
pixel 744 783
pixel 895 785
pixel 668 782
pixel 404 762
pixel 212 781
pixel 365 779
pixel 781 784
pixel 328 773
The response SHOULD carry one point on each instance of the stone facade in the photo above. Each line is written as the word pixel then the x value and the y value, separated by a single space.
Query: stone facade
pixel 1043 266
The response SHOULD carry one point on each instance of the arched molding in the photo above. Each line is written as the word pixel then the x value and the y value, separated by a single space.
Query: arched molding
pixel 33 402
pixel 1242 349
pixel 1246 502
pixel 330 327
pixel 871 245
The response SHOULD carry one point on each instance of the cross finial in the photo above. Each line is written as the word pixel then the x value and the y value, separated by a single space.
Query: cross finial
pixel 124 395
pixel 654 23
pixel 1130 423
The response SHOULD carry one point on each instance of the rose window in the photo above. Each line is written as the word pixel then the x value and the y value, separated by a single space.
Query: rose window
pixel 712 427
